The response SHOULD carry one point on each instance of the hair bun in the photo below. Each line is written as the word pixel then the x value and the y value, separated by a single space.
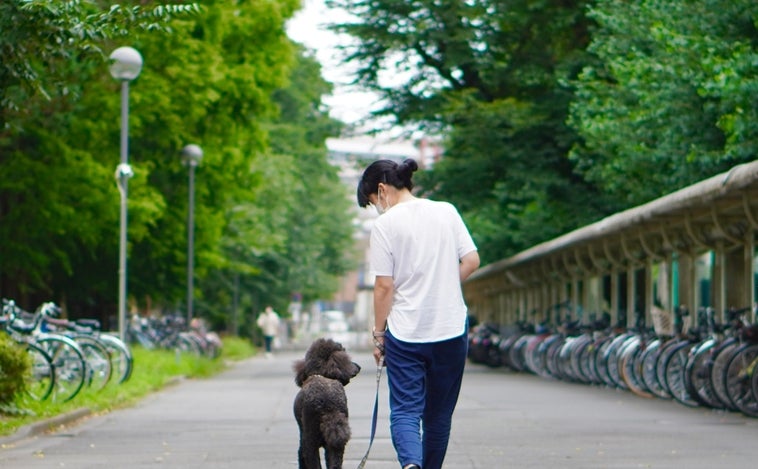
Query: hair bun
pixel 407 167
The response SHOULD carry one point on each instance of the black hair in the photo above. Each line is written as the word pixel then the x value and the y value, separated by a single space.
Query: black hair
pixel 387 171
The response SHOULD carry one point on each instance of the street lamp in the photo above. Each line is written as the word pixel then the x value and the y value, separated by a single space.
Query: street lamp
pixel 126 63
pixel 192 155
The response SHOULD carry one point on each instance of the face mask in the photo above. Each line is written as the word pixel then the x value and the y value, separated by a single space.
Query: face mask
pixel 379 208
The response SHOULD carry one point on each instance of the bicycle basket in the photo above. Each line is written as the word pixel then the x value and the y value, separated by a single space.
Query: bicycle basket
pixel 662 321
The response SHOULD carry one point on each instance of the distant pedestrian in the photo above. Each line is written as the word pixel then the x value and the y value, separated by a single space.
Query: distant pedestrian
pixel 420 252
pixel 269 321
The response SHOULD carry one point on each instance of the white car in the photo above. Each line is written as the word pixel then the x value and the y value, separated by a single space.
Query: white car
pixel 335 326
pixel 334 321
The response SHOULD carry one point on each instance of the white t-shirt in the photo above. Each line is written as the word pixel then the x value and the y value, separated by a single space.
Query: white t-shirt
pixel 419 244
pixel 269 323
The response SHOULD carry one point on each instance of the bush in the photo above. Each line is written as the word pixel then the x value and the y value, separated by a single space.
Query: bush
pixel 14 365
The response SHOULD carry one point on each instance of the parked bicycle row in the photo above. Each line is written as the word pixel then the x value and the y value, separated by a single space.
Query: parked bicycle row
pixel 170 332
pixel 65 355
pixel 708 364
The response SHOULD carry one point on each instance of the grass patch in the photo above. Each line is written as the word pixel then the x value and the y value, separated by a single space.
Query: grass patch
pixel 153 369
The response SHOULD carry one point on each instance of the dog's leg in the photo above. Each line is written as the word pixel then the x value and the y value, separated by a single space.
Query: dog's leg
pixel 301 457
pixel 334 457
pixel 308 455
pixel 300 448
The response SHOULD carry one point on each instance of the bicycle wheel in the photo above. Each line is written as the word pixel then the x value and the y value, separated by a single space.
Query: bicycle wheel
pixel 564 360
pixel 649 359
pixel 516 353
pixel 628 367
pixel 41 378
pixel 534 361
pixel 587 362
pixel 637 371
pixel 721 357
pixel 601 362
pixel 552 351
pixel 698 377
pixel 577 350
pixel 98 359
pixel 69 365
pixel 612 356
pixel 665 352
pixel 122 362
pixel 675 366
pixel 541 354
pixel 739 375
pixel 504 349
pixel 184 343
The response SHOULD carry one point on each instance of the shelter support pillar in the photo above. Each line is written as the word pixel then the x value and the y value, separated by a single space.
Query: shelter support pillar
pixel 630 296
pixel 648 296
pixel 739 275
pixel 614 296
pixel 749 269
pixel 575 298
pixel 687 281
pixel 718 285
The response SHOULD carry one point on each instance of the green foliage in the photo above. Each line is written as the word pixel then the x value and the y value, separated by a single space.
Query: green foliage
pixel 318 222
pixel 296 237
pixel 557 113
pixel 39 36
pixel 236 349
pixel 14 365
pixel 224 76
pixel 491 77
pixel 506 170
pixel 212 91
pixel 671 97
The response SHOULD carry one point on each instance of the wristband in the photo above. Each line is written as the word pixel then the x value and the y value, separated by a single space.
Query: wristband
pixel 376 333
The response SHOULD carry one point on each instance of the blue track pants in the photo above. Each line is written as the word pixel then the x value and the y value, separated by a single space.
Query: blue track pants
pixel 424 381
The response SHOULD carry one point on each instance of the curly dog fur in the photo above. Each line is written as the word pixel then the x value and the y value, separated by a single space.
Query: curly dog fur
pixel 321 404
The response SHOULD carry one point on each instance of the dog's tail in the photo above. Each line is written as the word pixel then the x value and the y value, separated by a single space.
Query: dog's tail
pixel 335 429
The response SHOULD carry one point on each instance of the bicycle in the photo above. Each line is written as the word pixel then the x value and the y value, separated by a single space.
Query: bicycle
pixel 120 354
pixel 96 354
pixel 701 359
pixel 69 364
pixel 40 380
pixel 740 370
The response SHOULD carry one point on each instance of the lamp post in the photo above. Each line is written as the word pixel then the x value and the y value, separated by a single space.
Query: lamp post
pixel 192 155
pixel 126 64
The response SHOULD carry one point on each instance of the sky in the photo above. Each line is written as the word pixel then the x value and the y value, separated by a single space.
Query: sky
pixel 307 27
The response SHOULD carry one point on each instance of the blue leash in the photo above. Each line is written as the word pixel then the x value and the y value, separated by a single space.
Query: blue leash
pixel 379 367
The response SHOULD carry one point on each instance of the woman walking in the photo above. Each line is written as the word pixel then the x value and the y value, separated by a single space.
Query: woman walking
pixel 420 252
pixel 269 321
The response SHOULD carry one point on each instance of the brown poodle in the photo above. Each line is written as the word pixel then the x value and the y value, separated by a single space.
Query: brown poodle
pixel 321 404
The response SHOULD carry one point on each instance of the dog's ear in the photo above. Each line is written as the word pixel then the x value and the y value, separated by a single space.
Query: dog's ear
pixel 299 368
pixel 339 366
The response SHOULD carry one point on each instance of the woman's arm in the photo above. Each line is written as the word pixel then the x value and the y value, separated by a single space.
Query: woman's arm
pixel 384 289
pixel 469 263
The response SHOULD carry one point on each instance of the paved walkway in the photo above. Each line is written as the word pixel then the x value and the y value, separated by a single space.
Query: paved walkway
pixel 243 419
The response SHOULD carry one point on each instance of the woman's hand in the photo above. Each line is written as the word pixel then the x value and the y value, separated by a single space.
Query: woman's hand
pixel 378 349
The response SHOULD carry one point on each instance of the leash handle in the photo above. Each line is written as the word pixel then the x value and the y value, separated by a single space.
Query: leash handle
pixel 379 367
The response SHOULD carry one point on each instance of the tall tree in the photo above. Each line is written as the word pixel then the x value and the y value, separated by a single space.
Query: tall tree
pixel 211 84
pixel 54 207
pixel 41 36
pixel 492 76
pixel 297 235
pixel 671 98
pixel 220 79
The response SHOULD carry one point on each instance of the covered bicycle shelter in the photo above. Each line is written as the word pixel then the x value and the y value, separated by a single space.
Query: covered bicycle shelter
pixel 693 248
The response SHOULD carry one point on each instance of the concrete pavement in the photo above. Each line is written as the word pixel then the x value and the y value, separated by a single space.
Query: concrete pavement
pixel 243 419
